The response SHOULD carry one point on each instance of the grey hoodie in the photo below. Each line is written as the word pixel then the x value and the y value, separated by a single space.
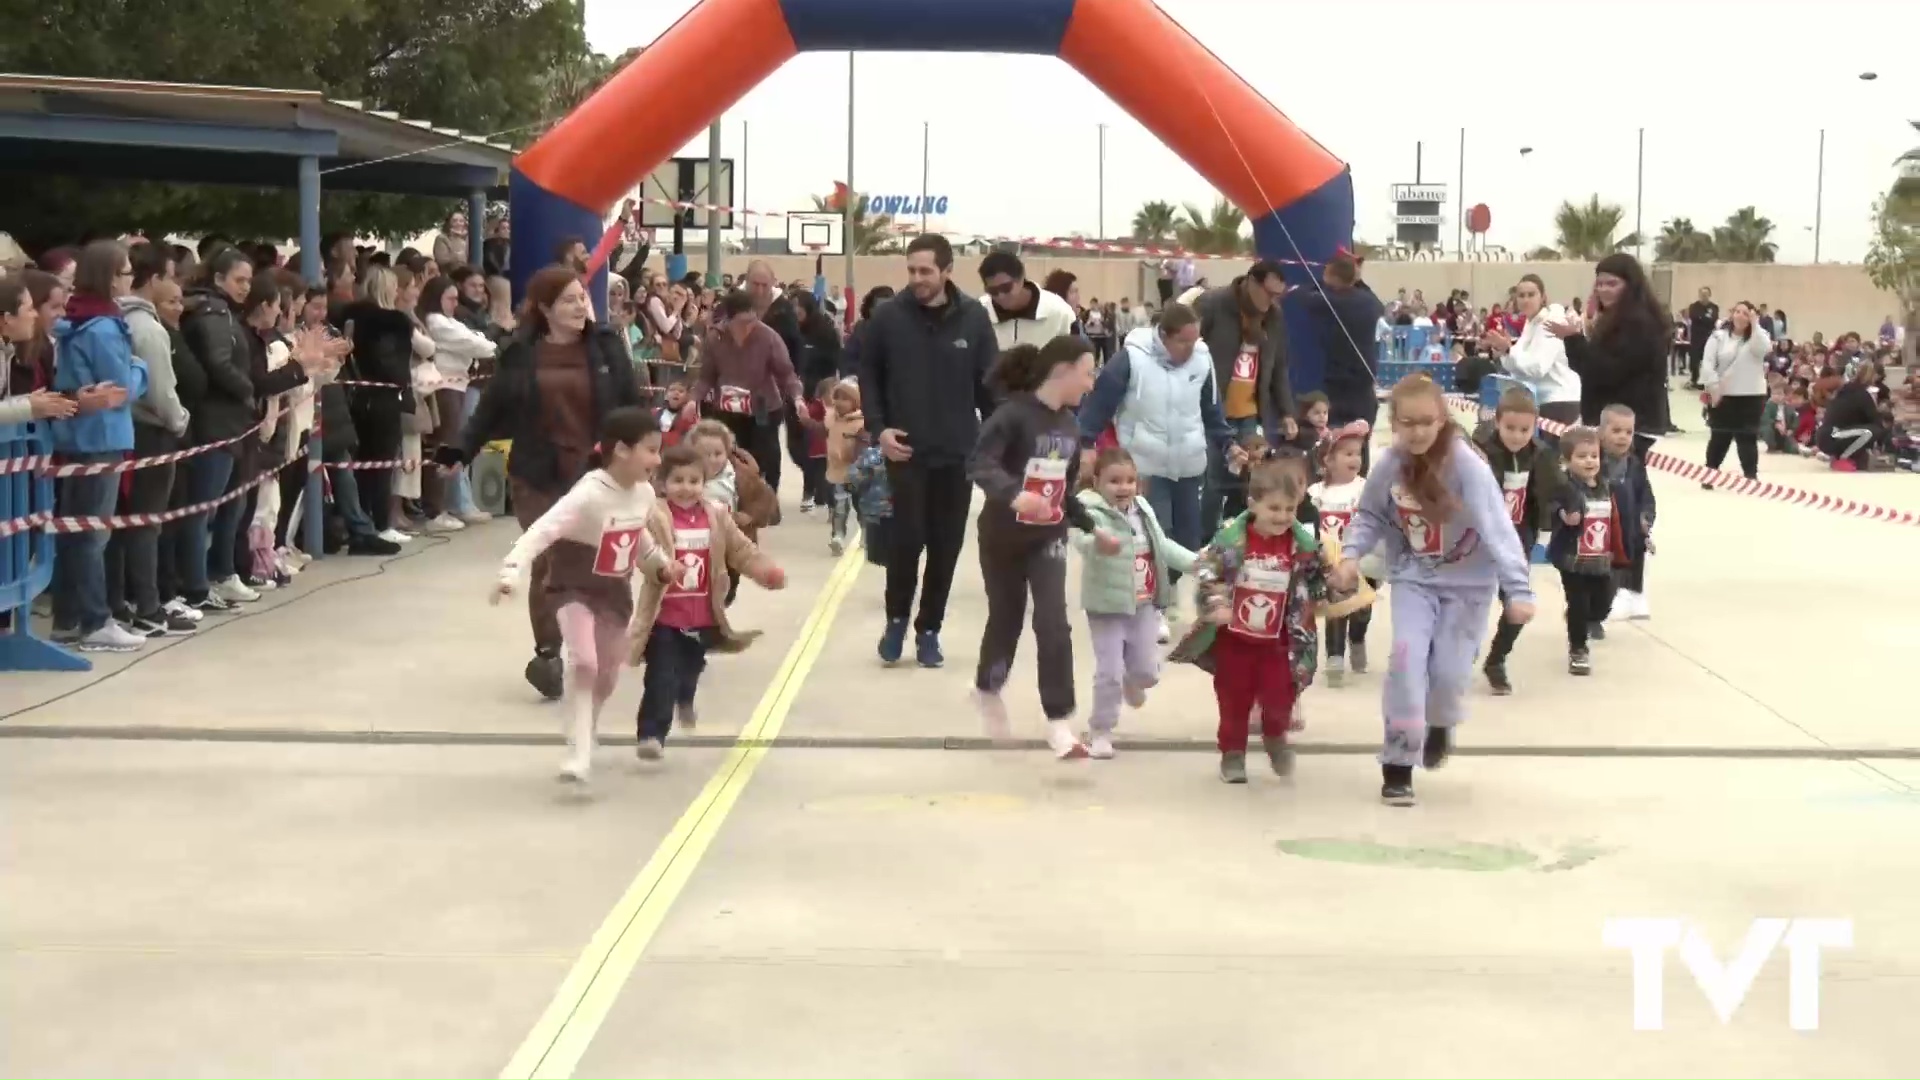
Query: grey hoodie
pixel 160 405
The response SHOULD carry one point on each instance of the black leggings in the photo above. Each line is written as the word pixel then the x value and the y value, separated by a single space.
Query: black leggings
pixel 1010 572
pixel 1589 598
pixel 1746 443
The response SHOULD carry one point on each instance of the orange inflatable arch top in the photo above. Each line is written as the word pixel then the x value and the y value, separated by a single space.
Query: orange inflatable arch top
pixel 1297 194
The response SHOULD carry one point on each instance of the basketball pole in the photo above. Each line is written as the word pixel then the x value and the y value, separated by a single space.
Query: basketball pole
pixel 714 253
pixel 846 240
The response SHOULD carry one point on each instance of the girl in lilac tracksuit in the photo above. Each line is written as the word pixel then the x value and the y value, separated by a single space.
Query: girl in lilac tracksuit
pixel 1449 544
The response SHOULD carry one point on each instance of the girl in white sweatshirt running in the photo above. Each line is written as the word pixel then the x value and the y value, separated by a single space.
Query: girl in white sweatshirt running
pixel 594 539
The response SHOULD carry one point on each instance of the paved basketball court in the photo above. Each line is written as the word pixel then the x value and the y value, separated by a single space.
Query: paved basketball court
pixel 325 839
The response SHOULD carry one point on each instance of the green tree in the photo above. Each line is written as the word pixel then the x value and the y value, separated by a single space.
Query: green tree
pixel 1215 233
pixel 1586 231
pixel 1679 241
pixel 871 234
pixel 486 67
pixel 1893 260
pixel 1155 221
pixel 1543 254
pixel 1744 238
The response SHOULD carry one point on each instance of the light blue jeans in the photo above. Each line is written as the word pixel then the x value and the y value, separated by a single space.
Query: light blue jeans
pixel 460 489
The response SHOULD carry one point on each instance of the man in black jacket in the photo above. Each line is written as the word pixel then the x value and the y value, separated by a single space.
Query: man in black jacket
pixel 1347 312
pixel 1703 318
pixel 924 360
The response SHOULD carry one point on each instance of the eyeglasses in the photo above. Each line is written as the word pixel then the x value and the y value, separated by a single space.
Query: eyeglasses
pixel 1003 288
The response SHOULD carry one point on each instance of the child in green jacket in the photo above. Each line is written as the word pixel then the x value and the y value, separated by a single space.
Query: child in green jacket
pixel 1262 581
pixel 1124 592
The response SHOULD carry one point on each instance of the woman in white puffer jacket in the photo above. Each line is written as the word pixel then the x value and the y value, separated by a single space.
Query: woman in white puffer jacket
pixel 1538 357
pixel 456 351
pixel 1734 373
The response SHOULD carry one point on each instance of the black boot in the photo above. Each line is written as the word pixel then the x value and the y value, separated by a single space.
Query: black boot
pixel 1439 746
pixel 1496 672
pixel 545 674
pixel 1396 785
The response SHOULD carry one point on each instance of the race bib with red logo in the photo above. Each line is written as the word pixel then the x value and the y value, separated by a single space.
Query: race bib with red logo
pixel 619 551
pixel 1145 580
pixel 1260 599
pixel 1333 525
pixel 1246 364
pixel 1596 532
pixel 692 558
pixel 1423 533
pixel 1513 487
pixel 1047 478
pixel 737 400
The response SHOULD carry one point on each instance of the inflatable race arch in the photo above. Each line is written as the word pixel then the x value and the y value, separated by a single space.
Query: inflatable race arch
pixel 1298 196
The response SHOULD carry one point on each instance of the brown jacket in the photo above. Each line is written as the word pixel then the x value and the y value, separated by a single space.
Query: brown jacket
pixel 757 498
pixel 843 443
pixel 731 549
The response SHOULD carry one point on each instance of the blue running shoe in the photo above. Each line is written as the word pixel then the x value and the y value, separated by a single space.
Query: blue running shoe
pixel 893 641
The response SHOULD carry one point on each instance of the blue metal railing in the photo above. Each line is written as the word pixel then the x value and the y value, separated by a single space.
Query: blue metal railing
pixel 26 557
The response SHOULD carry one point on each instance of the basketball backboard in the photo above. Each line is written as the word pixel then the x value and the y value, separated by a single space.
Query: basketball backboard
pixel 811 232
pixel 685 180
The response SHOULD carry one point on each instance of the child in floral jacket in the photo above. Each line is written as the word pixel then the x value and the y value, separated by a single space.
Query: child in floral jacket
pixel 1261 580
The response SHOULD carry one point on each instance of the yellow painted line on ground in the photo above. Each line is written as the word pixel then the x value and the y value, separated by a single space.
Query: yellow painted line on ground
pixel 558 1041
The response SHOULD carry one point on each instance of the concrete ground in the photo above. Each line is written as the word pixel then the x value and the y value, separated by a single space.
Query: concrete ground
pixel 324 839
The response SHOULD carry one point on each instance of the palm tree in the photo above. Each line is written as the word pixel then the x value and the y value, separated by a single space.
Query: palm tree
pixel 1543 254
pixel 1680 242
pixel 1217 233
pixel 1744 238
pixel 1586 232
pixel 1155 221
pixel 866 234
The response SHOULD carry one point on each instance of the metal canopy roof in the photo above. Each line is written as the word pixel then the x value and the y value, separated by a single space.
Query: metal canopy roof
pixel 252 136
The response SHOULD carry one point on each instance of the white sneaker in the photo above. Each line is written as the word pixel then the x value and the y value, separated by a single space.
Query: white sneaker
pixel 1100 746
pixel 474 517
pixel 394 536
pixel 685 717
pixel 445 523
pixel 576 772
pixel 184 610
pixel 1134 694
pixel 1622 606
pixel 993 715
pixel 1639 610
pixel 650 750
pixel 1066 745
pixel 1336 671
pixel 112 638
pixel 234 591
pixel 1165 632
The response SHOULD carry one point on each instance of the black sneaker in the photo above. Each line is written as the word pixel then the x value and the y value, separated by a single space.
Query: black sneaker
pixel 1396 787
pixel 926 649
pixel 177 623
pixel 148 626
pixel 1439 747
pixel 1496 672
pixel 371 545
pixel 545 674
pixel 1596 631
pixel 210 604
pixel 893 641
pixel 1579 662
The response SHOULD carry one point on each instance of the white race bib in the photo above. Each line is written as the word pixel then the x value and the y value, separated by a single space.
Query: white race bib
pixel 1423 534
pixel 619 550
pixel 1513 486
pixel 1260 601
pixel 1047 478
pixel 1596 532
pixel 691 550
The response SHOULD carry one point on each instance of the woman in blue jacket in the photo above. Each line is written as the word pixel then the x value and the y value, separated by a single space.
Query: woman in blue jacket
pixel 94 363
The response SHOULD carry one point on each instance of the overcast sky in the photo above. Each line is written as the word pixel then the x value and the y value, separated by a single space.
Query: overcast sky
pixel 1732 97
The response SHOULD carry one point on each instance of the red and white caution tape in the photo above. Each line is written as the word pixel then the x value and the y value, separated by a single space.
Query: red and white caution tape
pixel 1071 243
pixel 1740 485
pixel 43 464
pixel 62 524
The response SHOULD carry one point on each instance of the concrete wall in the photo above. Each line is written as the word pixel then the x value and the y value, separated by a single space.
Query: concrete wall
pixel 1831 298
